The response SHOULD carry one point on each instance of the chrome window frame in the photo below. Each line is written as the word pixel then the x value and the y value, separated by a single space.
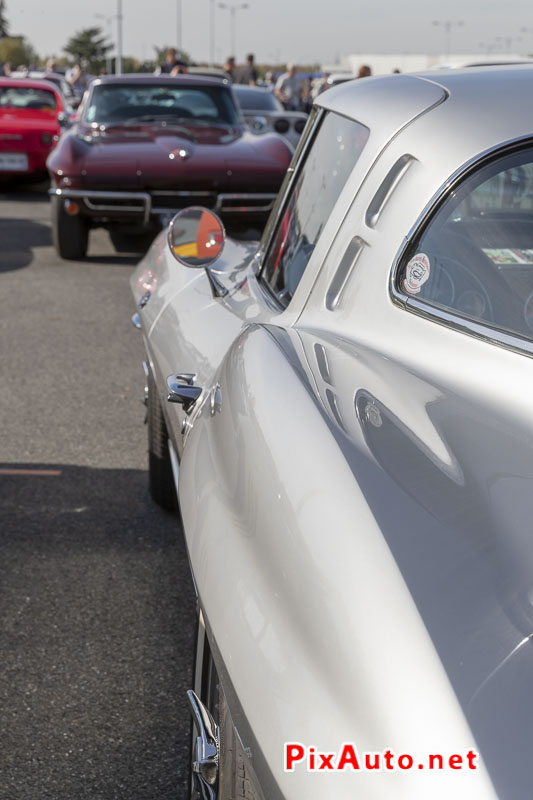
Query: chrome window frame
pixel 276 215
pixel 309 134
pixel 424 309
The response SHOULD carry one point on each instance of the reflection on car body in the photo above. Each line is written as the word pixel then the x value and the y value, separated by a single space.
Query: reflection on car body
pixel 350 432
pixel 264 113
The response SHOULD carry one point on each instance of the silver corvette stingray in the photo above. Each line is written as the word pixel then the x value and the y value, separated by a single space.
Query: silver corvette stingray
pixel 346 410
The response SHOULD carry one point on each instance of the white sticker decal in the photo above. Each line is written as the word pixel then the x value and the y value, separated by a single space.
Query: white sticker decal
pixel 416 273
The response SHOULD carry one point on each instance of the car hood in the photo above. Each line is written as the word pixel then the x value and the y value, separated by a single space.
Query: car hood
pixel 155 156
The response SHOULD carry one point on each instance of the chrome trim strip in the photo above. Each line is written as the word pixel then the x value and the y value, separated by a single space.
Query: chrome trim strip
pixel 225 198
pixel 170 193
pixel 265 777
pixel 92 194
pixel 386 189
pixel 430 312
pixel 468 326
pixel 300 154
pixel 205 755
pixel 175 472
pixel 102 207
pixel 343 272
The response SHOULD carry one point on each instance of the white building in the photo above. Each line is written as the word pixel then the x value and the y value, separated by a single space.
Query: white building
pixel 384 64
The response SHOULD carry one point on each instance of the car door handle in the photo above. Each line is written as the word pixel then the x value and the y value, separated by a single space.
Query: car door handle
pixel 185 377
pixel 182 392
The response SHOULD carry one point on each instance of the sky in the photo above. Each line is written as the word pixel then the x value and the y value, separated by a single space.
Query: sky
pixel 276 31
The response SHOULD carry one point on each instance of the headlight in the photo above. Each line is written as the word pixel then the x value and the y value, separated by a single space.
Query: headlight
pixel 258 124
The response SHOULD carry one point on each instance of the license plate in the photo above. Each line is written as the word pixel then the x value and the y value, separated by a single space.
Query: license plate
pixel 13 162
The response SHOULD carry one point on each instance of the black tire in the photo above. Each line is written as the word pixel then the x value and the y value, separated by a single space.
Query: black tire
pixel 70 234
pixel 160 475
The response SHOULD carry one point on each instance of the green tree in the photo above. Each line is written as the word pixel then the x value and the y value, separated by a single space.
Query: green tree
pixel 89 45
pixel 4 24
pixel 16 51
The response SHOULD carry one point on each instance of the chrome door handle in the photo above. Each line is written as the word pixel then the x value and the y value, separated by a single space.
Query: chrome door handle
pixel 182 392
pixel 186 377
pixel 206 753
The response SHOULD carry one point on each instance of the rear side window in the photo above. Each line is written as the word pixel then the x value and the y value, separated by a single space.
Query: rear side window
pixel 317 185
pixel 475 258
pixel 257 100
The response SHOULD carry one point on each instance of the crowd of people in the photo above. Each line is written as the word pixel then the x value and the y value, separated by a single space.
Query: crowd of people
pixel 294 91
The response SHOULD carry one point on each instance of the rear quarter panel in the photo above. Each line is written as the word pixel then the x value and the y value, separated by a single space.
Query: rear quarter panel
pixel 319 637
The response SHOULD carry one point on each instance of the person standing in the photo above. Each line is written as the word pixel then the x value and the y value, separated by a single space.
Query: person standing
pixel 78 79
pixel 248 73
pixel 288 89
pixel 170 62
pixel 229 68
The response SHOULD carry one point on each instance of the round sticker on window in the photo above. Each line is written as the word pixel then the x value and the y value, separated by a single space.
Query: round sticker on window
pixel 416 273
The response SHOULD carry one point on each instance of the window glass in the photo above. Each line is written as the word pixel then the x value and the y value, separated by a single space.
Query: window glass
pixel 27 98
pixel 114 103
pixel 319 182
pixel 475 258
pixel 252 99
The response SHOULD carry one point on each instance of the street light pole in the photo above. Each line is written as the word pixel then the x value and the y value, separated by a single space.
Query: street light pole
pixel 178 25
pixel 118 62
pixel 448 24
pixel 233 8
pixel 211 33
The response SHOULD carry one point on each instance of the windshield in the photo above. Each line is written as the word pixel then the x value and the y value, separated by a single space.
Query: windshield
pixel 257 100
pixel 123 104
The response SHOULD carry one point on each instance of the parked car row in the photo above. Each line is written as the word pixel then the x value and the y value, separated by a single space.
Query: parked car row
pixel 341 411
pixel 140 148
pixel 344 410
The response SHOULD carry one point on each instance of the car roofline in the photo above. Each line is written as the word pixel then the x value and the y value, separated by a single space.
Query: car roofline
pixel 144 78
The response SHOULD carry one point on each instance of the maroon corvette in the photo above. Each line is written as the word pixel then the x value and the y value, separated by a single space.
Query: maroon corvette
pixel 145 147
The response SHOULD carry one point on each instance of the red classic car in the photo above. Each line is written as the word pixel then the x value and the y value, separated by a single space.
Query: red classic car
pixel 29 129
pixel 145 147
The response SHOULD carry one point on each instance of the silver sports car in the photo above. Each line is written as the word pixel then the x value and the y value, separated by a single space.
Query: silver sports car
pixel 346 409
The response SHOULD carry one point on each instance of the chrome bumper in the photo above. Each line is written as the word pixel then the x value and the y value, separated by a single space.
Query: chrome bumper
pixel 141 203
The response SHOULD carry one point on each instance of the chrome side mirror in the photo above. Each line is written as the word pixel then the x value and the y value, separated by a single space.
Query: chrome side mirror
pixel 196 237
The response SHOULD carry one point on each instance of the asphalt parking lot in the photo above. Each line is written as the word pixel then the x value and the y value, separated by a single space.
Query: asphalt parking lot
pixel 97 603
